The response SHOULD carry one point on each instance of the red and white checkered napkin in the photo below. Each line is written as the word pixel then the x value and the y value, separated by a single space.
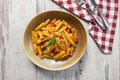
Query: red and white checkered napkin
pixel 103 38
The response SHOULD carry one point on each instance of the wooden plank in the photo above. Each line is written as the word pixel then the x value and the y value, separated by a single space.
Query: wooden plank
pixel 94 65
pixel 18 66
pixel 42 74
pixel 100 66
pixel 4 26
pixel 15 15
pixel 45 5
pixel 114 59
pixel 59 75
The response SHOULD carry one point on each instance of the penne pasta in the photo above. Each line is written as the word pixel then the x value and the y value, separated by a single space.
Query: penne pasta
pixel 58 55
pixel 67 53
pixel 66 24
pixel 33 39
pixel 44 45
pixel 71 50
pixel 47 56
pixel 39 26
pixel 47 50
pixel 57 21
pixel 42 25
pixel 36 37
pixel 35 48
pixel 66 42
pixel 74 35
pixel 62 29
pixel 46 22
pixel 69 38
pixel 59 25
pixel 40 34
pixel 54 39
pixel 51 54
pixel 65 56
pixel 53 21
pixel 40 52
pixel 45 33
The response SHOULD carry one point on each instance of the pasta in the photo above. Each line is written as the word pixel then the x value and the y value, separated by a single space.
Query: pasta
pixel 54 39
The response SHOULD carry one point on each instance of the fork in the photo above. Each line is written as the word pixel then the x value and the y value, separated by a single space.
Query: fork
pixel 82 5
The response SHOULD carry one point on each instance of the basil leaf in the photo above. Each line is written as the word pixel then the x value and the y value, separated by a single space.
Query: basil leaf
pixel 52 41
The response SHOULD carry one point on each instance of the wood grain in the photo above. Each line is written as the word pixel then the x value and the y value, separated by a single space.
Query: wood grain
pixel 4 25
pixel 15 15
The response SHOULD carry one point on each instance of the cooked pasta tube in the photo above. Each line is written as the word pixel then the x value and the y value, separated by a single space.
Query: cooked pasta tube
pixel 62 29
pixel 66 42
pixel 54 39
pixel 44 40
pixel 47 50
pixel 66 24
pixel 44 45
pixel 54 20
pixel 35 48
pixel 42 25
pixel 33 39
pixel 59 54
pixel 47 56
pixel 40 52
pixel 71 50
pixel 52 23
pixel 69 38
pixel 51 54
pixel 57 21
pixel 59 25
pixel 66 55
pixel 45 33
pixel 46 22
pixel 74 35
pixel 39 26
pixel 40 34
pixel 36 37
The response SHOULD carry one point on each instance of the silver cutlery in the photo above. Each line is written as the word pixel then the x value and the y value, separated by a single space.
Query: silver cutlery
pixel 82 5
pixel 101 15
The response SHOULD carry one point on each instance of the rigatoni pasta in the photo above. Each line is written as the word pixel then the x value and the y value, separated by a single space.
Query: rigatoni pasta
pixel 55 39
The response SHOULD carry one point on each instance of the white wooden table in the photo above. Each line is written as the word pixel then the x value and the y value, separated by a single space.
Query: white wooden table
pixel 14 64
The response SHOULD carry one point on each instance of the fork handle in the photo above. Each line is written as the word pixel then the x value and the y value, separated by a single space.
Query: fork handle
pixel 96 20
pixel 103 19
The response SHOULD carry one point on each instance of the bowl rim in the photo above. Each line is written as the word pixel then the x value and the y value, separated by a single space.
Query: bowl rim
pixel 62 68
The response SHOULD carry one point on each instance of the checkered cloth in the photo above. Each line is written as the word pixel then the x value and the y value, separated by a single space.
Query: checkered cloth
pixel 103 38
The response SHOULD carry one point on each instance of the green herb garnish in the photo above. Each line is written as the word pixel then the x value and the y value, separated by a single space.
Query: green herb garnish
pixel 52 40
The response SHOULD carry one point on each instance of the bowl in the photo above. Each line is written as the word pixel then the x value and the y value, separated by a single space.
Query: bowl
pixel 51 64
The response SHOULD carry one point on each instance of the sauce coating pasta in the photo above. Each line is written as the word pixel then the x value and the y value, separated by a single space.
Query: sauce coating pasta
pixel 54 39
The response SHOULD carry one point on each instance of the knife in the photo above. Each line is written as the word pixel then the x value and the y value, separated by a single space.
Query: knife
pixel 82 5
pixel 101 15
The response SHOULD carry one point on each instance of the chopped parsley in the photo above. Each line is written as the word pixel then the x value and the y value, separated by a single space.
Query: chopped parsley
pixel 52 40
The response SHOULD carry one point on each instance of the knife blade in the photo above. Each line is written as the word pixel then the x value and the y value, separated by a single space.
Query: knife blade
pixel 101 15
pixel 93 2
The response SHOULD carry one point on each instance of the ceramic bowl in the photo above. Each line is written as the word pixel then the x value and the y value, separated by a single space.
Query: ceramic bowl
pixel 51 64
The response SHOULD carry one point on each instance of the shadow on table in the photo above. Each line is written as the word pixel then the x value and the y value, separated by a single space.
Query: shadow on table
pixel 71 73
